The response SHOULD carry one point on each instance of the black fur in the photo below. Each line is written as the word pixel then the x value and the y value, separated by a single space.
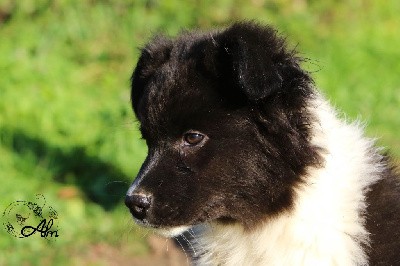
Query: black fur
pixel 383 220
pixel 245 91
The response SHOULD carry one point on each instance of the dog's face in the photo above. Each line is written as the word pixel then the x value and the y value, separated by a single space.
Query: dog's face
pixel 225 122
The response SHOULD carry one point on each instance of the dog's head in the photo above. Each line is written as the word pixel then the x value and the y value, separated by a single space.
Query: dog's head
pixel 225 120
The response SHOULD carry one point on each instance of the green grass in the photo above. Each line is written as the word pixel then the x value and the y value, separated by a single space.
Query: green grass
pixel 65 118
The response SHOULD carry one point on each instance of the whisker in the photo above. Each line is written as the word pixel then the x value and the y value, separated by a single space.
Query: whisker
pixel 183 249
pixel 166 243
pixel 145 233
pixel 192 234
pixel 189 244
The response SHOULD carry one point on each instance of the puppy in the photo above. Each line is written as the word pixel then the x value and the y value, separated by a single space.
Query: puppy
pixel 242 145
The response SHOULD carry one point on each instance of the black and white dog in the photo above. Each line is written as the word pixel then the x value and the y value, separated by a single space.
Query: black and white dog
pixel 242 144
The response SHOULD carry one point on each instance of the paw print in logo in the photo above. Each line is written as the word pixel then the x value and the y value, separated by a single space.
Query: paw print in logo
pixel 20 220
pixel 10 228
pixel 35 208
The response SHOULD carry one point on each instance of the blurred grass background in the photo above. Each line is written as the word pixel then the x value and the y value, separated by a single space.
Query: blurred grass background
pixel 66 128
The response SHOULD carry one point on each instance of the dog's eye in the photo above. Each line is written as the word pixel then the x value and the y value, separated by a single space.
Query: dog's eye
pixel 193 138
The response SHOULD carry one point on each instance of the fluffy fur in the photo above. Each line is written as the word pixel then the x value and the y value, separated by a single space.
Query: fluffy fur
pixel 274 177
pixel 326 226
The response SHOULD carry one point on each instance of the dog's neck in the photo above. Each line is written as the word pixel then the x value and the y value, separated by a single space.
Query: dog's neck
pixel 326 226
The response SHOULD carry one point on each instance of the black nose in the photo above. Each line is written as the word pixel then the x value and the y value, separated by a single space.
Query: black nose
pixel 138 204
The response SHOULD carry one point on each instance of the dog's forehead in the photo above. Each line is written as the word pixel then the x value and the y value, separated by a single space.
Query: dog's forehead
pixel 177 92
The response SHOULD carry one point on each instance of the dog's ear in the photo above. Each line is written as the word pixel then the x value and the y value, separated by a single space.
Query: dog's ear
pixel 153 55
pixel 249 53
